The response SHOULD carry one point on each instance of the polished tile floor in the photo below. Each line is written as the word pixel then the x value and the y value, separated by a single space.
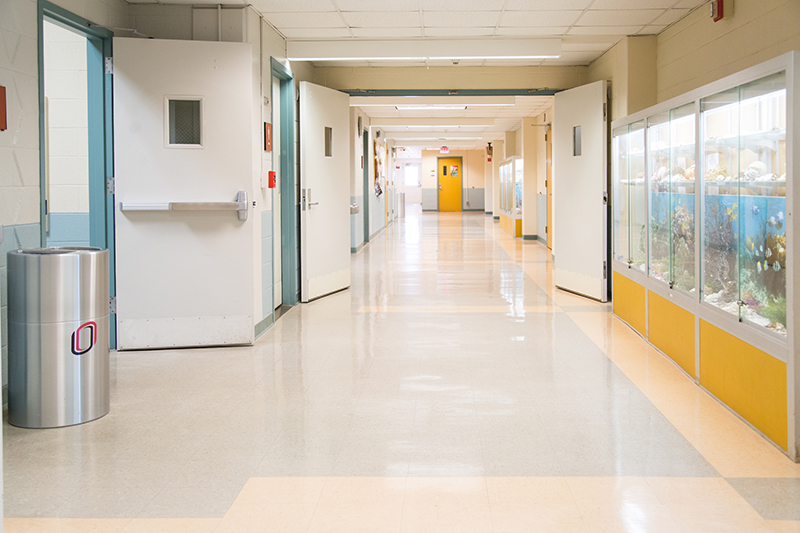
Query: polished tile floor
pixel 451 389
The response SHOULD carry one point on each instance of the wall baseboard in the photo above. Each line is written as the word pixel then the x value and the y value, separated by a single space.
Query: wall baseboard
pixel 264 325
pixel 530 237
pixel 357 248
pixel 488 213
pixel 497 217
pixel 542 240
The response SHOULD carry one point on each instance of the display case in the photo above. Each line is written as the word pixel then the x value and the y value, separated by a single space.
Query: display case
pixel 511 183
pixel 702 252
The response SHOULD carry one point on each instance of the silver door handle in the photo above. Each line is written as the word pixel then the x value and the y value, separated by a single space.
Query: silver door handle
pixel 312 203
pixel 440 186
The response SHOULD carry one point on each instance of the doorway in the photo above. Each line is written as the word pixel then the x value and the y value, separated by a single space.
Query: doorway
pixel 368 191
pixel 548 229
pixel 76 136
pixel 450 172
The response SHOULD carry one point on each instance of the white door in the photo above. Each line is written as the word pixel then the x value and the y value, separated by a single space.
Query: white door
pixel 182 127
pixel 580 209
pixel 325 191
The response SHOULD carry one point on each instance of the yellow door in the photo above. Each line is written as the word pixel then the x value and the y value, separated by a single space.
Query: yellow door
pixel 450 172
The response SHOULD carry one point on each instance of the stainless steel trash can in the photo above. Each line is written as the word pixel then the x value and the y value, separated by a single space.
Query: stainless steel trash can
pixel 58 333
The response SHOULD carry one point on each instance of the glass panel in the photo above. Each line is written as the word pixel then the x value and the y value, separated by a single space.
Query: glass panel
pixel 762 202
pixel 518 170
pixel 619 139
pixel 658 198
pixel 637 196
pixel 682 153
pixel 184 122
pixel 719 127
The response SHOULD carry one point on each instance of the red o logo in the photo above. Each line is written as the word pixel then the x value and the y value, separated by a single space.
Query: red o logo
pixel 76 338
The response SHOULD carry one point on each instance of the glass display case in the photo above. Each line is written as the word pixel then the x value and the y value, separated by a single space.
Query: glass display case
pixel 629 212
pixel 511 190
pixel 739 163
pixel 744 179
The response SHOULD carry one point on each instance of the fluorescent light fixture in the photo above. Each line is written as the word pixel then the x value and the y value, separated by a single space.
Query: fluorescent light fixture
pixel 432 102
pixel 431 107
pixel 422 49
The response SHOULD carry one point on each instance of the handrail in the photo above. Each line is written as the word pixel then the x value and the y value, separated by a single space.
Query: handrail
pixel 239 205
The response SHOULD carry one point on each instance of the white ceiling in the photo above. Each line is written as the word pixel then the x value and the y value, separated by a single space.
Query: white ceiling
pixel 587 27
pixel 471 127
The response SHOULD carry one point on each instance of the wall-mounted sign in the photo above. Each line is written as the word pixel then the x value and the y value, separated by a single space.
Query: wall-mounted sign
pixel 444 150
pixel 3 109
pixel 267 137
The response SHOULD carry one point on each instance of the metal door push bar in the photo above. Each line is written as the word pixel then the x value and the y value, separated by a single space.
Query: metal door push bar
pixel 240 205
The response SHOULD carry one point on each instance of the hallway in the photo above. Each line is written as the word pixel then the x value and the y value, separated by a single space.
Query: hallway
pixel 452 388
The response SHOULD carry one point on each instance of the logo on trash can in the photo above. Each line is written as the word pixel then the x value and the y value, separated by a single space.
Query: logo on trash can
pixel 76 338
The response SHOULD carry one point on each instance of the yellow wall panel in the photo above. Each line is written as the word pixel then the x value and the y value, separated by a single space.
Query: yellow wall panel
pixel 629 302
pixel 749 381
pixel 671 330
pixel 511 226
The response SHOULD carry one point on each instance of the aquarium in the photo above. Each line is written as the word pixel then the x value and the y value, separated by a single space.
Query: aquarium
pixel 658 168
pixel 682 197
pixel 637 197
pixel 744 240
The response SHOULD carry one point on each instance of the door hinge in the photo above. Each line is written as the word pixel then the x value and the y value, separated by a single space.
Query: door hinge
pixel 109 63
pixel 545 183
pixel 545 230
pixel 112 305
pixel 110 186
pixel 605 269
pixel 605 198
pixel 605 110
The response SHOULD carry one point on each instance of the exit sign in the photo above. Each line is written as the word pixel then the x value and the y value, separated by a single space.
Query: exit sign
pixel 444 150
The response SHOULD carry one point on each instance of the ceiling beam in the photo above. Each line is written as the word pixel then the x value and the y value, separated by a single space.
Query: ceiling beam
pixel 419 101
pixel 433 135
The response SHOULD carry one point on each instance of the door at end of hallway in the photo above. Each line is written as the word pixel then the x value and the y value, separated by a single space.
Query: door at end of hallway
pixel 449 174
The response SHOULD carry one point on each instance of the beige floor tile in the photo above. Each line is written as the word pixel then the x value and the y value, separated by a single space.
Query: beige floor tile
pixel 17 525
pixel 363 491
pixel 529 491
pixel 446 505
pixel 274 490
pixel 273 518
pixel 519 516
pixel 77 525
pixel 784 526
pixel 357 518
pixel 172 525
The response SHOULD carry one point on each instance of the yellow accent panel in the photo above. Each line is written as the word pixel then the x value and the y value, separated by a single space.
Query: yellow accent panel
pixel 511 226
pixel 629 302
pixel 671 330
pixel 749 381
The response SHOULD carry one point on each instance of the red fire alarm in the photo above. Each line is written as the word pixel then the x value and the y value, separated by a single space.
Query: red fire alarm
pixel 273 177
pixel 716 10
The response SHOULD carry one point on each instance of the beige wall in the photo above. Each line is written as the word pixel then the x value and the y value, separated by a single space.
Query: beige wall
pixel 499 155
pixel 630 66
pixel 696 51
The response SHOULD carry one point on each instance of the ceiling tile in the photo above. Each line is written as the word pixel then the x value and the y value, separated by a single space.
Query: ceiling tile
pixel 582 57
pixel 630 17
pixel 546 5
pixel 346 64
pixel 282 6
pixel 458 32
pixel 314 33
pixel 670 16
pixel 387 32
pixel 605 30
pixel 532 30
pixel 305 20
pixel 456 6
pixel 539 18
pixel 512 62
pixel 628 4
pixel 382 19
pixel 372 5
pixel 470 19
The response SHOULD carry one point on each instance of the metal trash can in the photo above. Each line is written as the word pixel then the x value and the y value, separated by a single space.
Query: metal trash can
pixel 401 211
pixel 58 334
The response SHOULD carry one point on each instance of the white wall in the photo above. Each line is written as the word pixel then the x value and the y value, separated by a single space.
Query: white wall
pixel 413 193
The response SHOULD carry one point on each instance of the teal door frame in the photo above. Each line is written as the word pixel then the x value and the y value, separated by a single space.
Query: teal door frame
pixel 101 134
pixel 290 198
pixel 367 191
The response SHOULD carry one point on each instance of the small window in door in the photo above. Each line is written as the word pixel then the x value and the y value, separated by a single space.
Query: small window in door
pixel 328 142
pixel 184 122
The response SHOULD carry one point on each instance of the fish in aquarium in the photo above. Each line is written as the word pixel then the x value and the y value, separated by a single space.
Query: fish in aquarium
pixel 773 223
pixel 758 264
pixel 755 209
pixel 776 267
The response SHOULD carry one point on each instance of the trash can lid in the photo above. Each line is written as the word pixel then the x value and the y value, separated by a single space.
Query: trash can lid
pixel 43 251
pixel 80 248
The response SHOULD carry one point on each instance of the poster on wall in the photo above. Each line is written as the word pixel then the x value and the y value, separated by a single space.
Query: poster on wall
pixel 380 157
